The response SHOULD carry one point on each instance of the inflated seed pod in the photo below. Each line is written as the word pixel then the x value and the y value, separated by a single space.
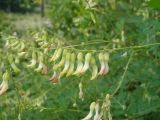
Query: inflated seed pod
pixel 87 62
pixel 22 46
pixel 13 65
pixel 94 69
pixel 57 55
pixel 33 61
pixel 67 64
pixel 55 77
pixel 91 112
pixel 21 54
pixel 97 116
pixel 102 62
pixel 61 63
pixel 79 64
pixel 71 67
pixel 14 44
pixel 106 59
pixel 4 84
pixel 40 59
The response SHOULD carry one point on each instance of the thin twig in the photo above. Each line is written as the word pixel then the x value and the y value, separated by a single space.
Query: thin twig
pixel 123 76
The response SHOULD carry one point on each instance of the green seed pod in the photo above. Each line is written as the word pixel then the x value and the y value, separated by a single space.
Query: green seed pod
pixel 6 76
pixel 72 62
pixel 33 61
pixel 3 87
pixel 87 62
pixel 103 67
pixel 21 54
pixel 22 46
pixel 56 55
pixel 91 112
pixel 40 59
pixel 79 63
pixel 67 64
pixel 61 63
pixel 14 67
pixel 94 69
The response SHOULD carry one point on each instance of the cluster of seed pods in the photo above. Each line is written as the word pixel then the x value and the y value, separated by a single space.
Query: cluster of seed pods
pixel 66 63
pixel 96 112
pixel 40 56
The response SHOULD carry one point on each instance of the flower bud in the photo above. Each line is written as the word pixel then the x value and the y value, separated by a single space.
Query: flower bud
pixel 94 69
pixel 72 62
pixel 89 116
pixel 87 62
pixel 67 64
pixel 81 95
pixel 97 115
pixel 102 62
pixel 79 63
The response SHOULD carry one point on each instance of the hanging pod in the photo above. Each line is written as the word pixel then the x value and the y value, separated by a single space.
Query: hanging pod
pixel 55 77
pixel 56 54
pixel 67 64
pixel 40 59
pixel 22 46
pixel 4 84
pixel 106 59
pixel 61 63
pixel 97 116
pixel 87 62
pixel 94 69
pixel 33 61
pixel 102 62
pixel 91 112
pixel 13 65
pixel 79 64
pixel 71 67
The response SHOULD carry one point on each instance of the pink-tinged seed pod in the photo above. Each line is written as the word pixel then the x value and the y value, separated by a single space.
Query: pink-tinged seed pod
pixel 33 61
pixel 81 95
pixel 57 55
pixel 90 114
pixel 87 62
pixel 102 62
pixel 94 69
pixel 67 64
pixel 4 84
pixel 55 78
pixel 71 67
pixel 61 63
pixel 79 64
pixel 40 59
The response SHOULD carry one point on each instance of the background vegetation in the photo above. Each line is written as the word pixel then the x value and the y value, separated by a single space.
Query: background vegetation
pixel 90 24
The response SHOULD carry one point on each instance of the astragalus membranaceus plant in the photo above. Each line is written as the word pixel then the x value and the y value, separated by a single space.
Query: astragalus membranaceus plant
pixel 56 60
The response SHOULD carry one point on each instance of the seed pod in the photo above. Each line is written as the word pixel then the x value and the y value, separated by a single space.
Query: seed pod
pixel 81 95
pixel 94 69
pixel 61 63
pixel 22 46
pixel 55 78
pixel 79 63
pixel 97 115
pixel 40 59
pixel 4 84
pixel 87 62
pixel 57 55
pixel 106 59
pixel 67 64
pixel 33 61
pixel 21 54
pixel 14 44
pixel 13 65
pixel 72 62
pixel 45 69
pixel 103 67
pixel 89 116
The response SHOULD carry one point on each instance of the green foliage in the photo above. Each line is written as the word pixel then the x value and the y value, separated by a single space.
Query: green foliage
pixel 129 29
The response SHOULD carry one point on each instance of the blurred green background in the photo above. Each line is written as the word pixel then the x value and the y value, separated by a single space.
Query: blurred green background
pixel 122 23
